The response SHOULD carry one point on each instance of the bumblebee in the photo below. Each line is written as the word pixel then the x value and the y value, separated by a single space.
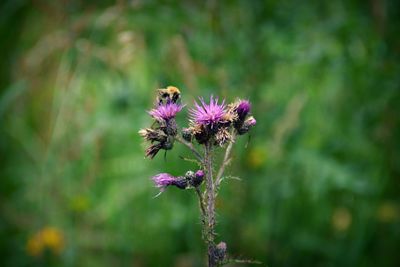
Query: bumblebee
pixel 169 94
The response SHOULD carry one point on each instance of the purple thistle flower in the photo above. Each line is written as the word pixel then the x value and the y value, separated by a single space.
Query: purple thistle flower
pixel 162 180
pixel 165 112
pixel 208 114
pixel 243 108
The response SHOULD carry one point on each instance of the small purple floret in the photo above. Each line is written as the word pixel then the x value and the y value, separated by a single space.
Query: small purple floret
pixel 243 108
pixel 208 114
pixel 251 121
pixel 199 174
pixel 165 112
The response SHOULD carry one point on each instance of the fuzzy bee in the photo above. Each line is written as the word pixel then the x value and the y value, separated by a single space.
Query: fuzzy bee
pixel 169 94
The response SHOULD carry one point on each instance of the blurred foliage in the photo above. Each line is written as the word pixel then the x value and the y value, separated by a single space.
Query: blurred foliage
pixel 319 175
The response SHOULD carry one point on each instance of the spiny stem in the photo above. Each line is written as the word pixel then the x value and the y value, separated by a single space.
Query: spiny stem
pixel 210 192
pixel 201 202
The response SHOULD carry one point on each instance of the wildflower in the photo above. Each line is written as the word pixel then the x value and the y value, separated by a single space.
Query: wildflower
pixel 49 238
pixel 165 112
pixel 241 108
pixel 164 180
pixel 164 133
pixel 208 114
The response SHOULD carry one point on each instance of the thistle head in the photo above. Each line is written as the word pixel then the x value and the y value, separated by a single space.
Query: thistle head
pixel 163 180
pixel 208 114
pixel 165 112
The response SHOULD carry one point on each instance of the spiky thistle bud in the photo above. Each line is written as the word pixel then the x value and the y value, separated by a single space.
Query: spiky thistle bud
pixel 247 125
pixel 195 178
pixel 220 251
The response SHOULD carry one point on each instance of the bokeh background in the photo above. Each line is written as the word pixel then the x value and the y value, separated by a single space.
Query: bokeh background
pixel 319 174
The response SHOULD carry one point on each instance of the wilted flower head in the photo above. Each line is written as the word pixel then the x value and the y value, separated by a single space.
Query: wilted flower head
pixel 222 136
pixel 208 114
pixel 153 135
pixel 163 180
pixel 165 112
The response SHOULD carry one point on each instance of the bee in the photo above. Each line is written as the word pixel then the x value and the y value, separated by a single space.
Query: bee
pixel 169 94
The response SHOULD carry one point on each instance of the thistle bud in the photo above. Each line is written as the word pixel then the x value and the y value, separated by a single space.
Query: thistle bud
pixel 198 178
pixel 220 251
pixel 247 125
pixel 195 178
pixel 243 109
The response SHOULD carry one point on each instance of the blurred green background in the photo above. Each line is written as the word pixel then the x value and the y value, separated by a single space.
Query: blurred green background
pixel 320 174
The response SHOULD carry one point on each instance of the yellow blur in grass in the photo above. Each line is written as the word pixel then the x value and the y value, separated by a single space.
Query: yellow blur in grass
pixel 49 238
pixel 256 158
pixel 388 212
pixel 341 219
